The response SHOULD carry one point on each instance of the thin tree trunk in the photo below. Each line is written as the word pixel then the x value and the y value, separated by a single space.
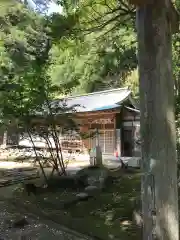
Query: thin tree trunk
pixel 159 165
pixel 37 158
pixel 56 139
pixel 61 164
pixel 49 144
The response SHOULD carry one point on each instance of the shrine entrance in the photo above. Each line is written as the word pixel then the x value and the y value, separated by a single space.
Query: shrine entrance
pixel 105 127
pixel 127 142
pixel 106 141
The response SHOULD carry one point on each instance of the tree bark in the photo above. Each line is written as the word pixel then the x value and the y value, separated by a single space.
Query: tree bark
pixel 159 164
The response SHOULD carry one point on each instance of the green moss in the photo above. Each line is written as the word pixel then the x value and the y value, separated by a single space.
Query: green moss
pixel 107 216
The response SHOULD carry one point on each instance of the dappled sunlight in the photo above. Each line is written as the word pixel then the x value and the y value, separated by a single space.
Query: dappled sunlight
pixel 125 225
pixel 117 197
pixel 108 214
pixel 12 164
pixel 160 181
pixel 167 222
pixel 13 226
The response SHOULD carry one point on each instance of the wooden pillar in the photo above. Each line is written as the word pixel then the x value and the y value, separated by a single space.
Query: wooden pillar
pixel 155 23
pixel 118 141
pixel 5 139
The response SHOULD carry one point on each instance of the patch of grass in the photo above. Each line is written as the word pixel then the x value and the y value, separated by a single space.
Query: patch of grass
pixel 107 216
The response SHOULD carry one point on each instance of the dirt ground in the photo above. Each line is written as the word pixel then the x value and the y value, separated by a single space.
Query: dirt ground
pixel 107 216
pixel 37 228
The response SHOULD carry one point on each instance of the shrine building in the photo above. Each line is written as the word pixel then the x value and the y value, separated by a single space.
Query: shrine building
pixel 112 114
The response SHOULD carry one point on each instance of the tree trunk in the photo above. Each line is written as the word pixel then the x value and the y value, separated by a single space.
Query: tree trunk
pixel 159 165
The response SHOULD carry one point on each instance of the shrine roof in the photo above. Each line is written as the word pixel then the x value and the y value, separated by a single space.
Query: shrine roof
pixel 98 101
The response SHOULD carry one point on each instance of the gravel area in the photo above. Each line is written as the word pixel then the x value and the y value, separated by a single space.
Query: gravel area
pixel 35 230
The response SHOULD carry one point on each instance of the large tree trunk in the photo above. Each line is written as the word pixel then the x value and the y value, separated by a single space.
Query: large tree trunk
pixel 159 165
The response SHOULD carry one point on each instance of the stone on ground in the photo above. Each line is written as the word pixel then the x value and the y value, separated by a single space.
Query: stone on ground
pixel 82 195
pixel 91 190
pixel 95 175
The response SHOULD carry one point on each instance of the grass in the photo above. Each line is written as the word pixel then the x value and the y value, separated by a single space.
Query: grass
pixel 107 216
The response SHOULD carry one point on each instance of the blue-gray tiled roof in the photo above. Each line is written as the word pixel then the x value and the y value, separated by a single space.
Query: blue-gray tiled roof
pixel 97 101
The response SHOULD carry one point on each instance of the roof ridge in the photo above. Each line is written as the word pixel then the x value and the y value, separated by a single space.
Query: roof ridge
pixel 93 93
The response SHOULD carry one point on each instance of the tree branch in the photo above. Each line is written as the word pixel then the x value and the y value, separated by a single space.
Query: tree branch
pixel 103 25
pixel 116 26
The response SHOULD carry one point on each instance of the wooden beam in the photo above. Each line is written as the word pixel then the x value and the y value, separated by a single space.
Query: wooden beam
pixel 97 113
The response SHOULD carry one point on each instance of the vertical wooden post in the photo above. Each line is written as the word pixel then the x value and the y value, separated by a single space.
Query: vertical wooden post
pixel 159 165
pixel 97 137
pixel 5 138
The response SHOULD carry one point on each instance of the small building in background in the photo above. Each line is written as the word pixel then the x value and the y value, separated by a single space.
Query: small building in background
pixel 112 114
